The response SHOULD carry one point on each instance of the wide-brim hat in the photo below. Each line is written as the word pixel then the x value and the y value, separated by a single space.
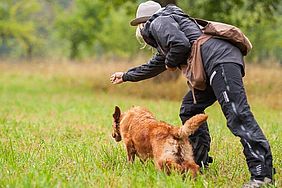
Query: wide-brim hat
pixel 145 11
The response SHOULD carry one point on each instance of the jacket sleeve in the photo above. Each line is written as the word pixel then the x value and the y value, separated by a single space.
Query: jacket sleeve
pixel 154 67
pixel 168 35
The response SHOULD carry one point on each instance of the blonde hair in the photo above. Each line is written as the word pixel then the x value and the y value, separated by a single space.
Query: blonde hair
pixel 139 35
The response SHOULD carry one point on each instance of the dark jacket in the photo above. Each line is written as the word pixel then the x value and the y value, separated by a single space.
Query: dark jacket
pixel 172 33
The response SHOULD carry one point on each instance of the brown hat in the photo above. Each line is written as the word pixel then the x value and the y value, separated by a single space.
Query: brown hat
pixel 145 11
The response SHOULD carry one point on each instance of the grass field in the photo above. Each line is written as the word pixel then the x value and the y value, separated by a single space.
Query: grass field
pixel 55 130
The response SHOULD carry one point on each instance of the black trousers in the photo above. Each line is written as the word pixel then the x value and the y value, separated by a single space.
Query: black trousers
pixel 226 86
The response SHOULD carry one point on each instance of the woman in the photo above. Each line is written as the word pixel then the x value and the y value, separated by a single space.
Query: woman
pixel 172 33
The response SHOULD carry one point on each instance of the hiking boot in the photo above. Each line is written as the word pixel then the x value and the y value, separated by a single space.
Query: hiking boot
pixel 267 182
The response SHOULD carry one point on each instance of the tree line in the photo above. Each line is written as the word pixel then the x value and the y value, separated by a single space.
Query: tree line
pixel 87 28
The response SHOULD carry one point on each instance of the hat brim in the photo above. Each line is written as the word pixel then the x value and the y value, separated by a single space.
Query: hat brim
pixel 137 21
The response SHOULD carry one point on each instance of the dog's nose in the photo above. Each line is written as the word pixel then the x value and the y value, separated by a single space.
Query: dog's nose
pixel 118 138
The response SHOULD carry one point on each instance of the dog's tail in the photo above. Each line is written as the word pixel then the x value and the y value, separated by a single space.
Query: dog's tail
pixel 191 125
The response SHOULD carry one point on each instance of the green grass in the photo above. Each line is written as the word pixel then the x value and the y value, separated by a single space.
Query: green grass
pixel 56 132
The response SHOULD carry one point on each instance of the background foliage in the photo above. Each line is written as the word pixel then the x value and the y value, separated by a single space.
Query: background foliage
pixel 85 28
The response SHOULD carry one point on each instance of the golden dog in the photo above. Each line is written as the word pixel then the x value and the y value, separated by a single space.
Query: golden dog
pixel 147 137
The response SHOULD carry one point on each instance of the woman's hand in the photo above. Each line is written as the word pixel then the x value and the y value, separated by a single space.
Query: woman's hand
pixel 116 78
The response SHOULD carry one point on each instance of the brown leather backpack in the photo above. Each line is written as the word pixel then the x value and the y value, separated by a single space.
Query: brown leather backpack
pixel 228 32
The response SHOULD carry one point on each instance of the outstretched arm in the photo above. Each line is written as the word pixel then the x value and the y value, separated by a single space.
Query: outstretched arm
pixel 154 67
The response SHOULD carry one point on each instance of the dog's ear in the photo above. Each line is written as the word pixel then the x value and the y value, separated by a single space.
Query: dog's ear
pixel 117 113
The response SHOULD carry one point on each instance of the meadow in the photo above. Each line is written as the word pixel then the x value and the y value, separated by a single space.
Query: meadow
pixel 55 127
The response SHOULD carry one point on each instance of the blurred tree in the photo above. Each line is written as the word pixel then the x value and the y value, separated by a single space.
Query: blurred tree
pixel 98 26
pixel 81 24
pixel 256 18
pixel 81 28
pixel 15 24
pixel 232 11
pixel 117 36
